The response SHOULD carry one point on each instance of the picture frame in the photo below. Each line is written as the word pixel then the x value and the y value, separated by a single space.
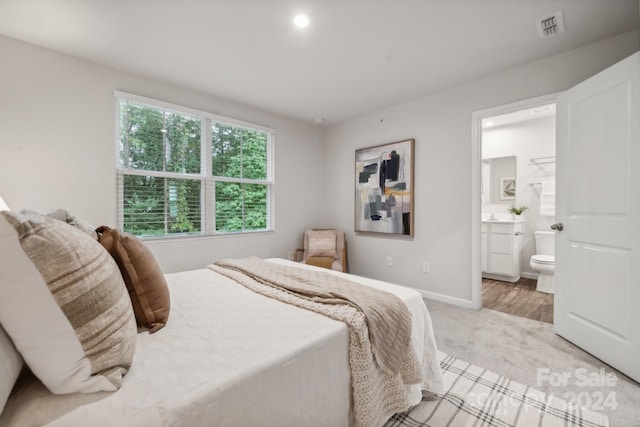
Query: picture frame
pixel 384 189
pixel 507 188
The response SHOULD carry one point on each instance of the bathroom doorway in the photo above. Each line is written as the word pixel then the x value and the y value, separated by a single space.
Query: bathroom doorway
pixel 514 156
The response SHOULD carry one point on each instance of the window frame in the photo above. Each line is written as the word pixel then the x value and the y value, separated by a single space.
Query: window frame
pixel 207 179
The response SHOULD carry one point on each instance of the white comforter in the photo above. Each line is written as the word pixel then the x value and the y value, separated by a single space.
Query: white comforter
pixel 229 357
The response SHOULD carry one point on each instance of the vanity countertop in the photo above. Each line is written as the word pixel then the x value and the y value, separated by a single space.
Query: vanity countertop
pixel 504 220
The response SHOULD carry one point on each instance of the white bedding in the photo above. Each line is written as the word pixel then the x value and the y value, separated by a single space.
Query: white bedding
pixel 229 357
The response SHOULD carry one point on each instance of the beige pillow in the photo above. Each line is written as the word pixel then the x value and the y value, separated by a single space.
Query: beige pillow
pixel 141 273
pixel 64 304
pixel 322 243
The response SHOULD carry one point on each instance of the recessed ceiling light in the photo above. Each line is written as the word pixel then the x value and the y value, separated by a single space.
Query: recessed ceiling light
pixel 301 21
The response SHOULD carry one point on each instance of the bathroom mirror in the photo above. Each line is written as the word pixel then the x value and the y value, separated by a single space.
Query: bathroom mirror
pixel 499 180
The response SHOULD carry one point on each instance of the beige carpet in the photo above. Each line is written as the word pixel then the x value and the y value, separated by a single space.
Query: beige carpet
pixel 529 352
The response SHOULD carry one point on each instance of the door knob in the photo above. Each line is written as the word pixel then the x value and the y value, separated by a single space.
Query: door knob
pixel 557 226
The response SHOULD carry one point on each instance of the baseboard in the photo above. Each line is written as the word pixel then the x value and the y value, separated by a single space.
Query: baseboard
pixel 446 299
pixel 460 302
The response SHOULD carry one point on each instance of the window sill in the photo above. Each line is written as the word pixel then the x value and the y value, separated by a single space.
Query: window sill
pixel 151 240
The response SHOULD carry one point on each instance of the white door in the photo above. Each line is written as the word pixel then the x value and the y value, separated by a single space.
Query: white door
pixel 597 296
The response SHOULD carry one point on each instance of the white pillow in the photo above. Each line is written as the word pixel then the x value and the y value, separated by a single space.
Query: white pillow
pixel 10 366
pixel 81 340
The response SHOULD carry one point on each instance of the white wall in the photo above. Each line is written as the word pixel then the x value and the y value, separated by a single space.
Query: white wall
pixel 525 140
pixel 57 149
pixel 441 126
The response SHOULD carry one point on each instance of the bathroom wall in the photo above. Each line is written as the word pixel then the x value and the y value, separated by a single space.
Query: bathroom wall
pixel 525 140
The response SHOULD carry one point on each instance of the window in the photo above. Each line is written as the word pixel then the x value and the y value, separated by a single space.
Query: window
pixel 182 172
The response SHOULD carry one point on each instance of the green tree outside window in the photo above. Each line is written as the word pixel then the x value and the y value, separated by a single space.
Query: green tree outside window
pixel 162 181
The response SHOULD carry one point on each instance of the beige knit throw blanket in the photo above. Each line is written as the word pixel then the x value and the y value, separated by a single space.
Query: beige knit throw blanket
pixel 381 357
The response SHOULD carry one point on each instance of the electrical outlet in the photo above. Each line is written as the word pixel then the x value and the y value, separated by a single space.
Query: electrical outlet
pixel 426 267
pixel 389 261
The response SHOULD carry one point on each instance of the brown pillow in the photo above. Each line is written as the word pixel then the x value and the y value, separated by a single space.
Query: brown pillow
pixel 141 273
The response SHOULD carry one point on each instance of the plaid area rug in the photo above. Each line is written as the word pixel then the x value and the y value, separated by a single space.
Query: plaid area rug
pixel 477 397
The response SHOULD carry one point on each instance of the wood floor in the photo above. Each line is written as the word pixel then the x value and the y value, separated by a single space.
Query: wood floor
pixel 519 298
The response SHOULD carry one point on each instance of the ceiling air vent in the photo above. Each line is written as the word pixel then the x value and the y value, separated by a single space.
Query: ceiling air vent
pixel 550 25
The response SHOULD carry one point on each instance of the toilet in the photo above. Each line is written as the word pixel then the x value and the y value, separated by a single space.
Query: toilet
pixel 543 262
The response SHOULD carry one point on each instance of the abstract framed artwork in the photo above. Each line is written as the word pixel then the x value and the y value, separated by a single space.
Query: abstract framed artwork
pixel 384 189
pixel 507 188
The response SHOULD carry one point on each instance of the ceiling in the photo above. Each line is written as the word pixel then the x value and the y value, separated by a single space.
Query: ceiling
pixel 355 57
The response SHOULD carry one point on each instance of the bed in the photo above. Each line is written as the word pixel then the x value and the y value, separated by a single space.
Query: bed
pixel 228 357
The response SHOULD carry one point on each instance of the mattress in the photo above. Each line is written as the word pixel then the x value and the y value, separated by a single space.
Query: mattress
pixel 228 357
